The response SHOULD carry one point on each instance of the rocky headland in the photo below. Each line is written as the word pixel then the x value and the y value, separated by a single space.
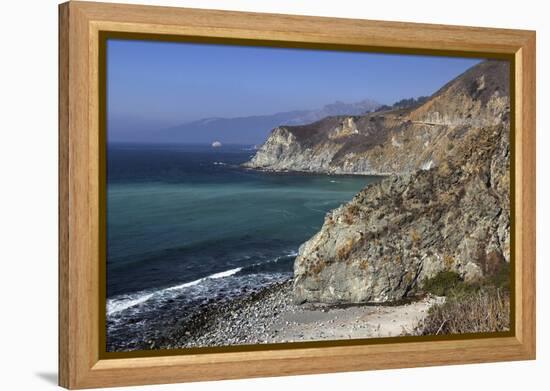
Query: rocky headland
pixel 393 235
pixel 443 207
pixel 395 141
pixel 437 224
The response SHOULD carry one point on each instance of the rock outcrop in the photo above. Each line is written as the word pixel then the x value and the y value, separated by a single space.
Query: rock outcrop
pixel 380 246
pixel 396 141
pixel 445 205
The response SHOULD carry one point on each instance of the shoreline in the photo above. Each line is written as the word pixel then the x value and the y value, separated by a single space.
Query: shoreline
pixel 317 173
pixel 270 316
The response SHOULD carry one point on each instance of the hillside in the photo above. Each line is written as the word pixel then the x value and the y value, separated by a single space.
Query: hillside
pixel 445 207
pixel 394 234
pixel 395 141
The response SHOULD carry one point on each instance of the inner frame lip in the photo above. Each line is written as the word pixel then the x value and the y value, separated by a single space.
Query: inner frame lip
pixel 105 35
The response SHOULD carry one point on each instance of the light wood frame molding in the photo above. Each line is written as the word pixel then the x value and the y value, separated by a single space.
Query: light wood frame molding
pixel 81 363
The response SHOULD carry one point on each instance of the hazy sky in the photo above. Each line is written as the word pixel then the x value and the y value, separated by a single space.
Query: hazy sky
pixel 158 84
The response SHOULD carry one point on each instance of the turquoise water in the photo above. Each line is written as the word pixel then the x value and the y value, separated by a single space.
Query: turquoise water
pixel 186 224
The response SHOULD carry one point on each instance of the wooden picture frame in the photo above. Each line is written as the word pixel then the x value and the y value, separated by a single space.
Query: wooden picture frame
pixel 82 364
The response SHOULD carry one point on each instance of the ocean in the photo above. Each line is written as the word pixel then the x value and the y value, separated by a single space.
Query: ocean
pixel 186 225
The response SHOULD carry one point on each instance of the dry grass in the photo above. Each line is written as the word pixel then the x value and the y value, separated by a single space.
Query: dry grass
pixel 469 308
pixel 350 213
pixel 344 251
pixel 317 267
pixel 364 265
pixel 448 261
pixel 415 237
pixel 348 218
pixel 353 209
pixel 478 311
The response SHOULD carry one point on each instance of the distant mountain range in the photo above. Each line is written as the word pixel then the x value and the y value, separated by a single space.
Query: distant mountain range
pixel 254 129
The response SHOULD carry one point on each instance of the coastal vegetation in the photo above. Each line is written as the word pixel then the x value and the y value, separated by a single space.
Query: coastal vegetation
pixel 469 308
pixel 404 104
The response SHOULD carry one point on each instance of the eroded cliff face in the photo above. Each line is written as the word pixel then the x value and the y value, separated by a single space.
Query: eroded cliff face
pixel 445 207
pixel 381 246
pixel 393 142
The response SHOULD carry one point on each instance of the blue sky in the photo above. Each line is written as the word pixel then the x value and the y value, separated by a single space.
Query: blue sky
pixel 160 84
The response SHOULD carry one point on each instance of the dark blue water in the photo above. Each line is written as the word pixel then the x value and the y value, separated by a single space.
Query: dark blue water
pixel 186 224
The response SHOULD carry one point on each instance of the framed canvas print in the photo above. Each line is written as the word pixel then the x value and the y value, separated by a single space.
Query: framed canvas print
pixel 251 195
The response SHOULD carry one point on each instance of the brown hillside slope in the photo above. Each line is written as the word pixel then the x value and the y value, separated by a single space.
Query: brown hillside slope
pixel 398 141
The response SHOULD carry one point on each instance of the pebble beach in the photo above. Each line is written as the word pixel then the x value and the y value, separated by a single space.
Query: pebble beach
pixel 270 316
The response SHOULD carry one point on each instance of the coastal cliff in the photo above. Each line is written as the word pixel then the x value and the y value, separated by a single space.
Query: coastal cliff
pixel 394 141
pixel 443 207
pixel 393 235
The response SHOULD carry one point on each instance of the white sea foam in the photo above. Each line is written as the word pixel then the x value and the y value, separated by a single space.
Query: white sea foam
pixel 226 273
pixel 119 304
pixel 291 253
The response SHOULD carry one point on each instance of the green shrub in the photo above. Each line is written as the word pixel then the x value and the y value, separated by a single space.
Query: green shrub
pixel 468 308
pixel 442 283
pixel 501 279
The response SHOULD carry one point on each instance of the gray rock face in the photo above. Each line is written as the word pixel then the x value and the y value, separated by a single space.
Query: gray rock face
pixel 445 205
pixel 381 246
